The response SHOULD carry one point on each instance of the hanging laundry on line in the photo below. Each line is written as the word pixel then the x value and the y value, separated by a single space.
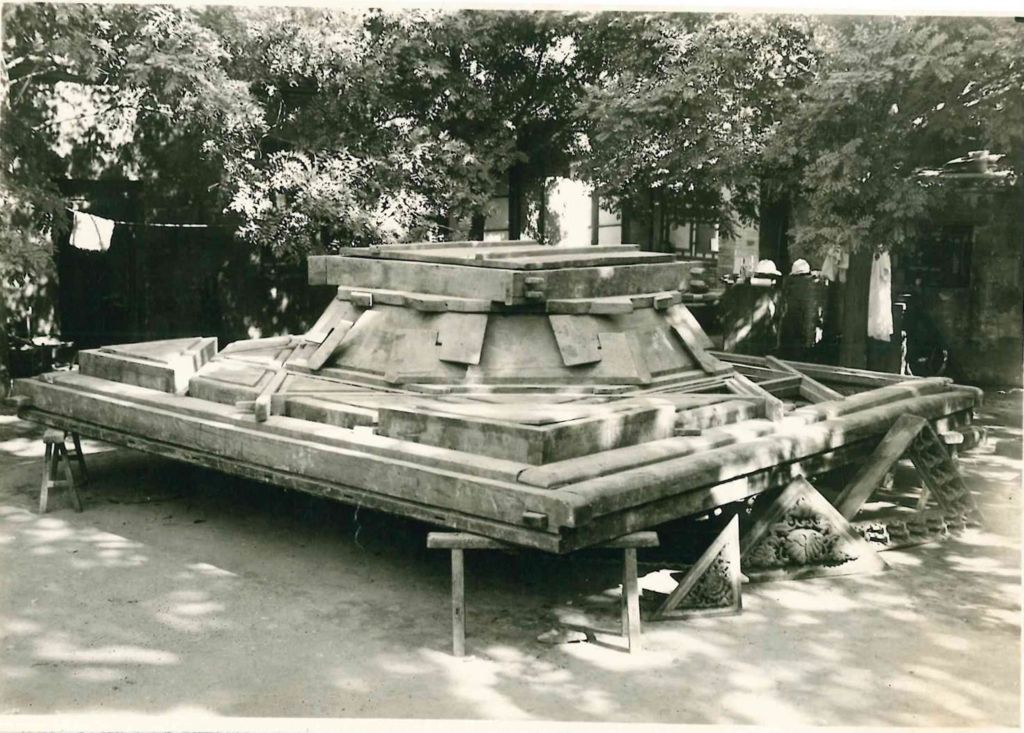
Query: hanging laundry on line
pixel 91 233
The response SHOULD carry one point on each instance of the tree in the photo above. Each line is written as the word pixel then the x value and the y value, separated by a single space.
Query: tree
pixel 393 125
pixel 685 106
pixel 892 96
pixel 97 91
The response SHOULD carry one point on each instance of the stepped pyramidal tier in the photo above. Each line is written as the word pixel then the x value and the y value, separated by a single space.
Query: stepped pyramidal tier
pixel 551 397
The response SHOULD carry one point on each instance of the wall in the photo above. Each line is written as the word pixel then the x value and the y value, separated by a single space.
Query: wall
pixel 983 322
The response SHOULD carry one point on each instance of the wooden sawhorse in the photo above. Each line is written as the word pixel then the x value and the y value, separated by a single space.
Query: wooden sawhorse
pixel 57 459
pixel 457 542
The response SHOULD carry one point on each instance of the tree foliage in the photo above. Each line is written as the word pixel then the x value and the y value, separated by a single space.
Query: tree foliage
pixel 105 91
pixel 894 96
pixel 309 128
pixel 686 105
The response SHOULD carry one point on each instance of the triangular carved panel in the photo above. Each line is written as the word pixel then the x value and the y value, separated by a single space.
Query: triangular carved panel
pixel 801 535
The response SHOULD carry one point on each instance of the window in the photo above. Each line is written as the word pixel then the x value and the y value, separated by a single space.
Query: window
pixel 941 257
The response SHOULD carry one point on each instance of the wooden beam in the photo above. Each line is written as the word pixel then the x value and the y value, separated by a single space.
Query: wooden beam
pixel 742 385
pixel 881 461
pixel 361 470
pixel 792 442
pixel 516 535
pixel 810 389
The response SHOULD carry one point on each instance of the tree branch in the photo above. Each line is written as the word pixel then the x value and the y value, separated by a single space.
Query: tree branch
pixel 50 123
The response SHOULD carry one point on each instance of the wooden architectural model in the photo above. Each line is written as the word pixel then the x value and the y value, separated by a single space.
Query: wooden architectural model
pixel 548 397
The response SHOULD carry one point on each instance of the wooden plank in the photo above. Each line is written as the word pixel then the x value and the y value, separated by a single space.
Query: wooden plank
pixel 869 477
pixel 785 386
pixel 561 249
pixel 680 316
pixel 329 413
pixel 166 365
pixel 614 305
pixel 335 335
pixel 810 389
pixel 773 406
pixel 420 277
pixel 461 337
pixel 337 310
pixel 422 301
pixel 831 373
pixel 494 284
pixel 351 466
pixel 573 470
pixel 262 344
pixel 690 340
pixel 600 282
pixel 468 541
pixel 705 498
pixel 718 414
pixel 368 442
pixel 522 258
pixel 515 535
pixel 610 426
pixel 611 306
pixel 577 339
pixel 376 250
pixel 792 442
pixel 877 397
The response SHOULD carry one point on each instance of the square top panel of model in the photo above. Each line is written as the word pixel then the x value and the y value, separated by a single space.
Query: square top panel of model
pixel 509 272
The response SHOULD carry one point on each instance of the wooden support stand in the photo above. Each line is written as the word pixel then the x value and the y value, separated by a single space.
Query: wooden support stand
pixel 57 460
pixel 458 542
pixel 712 586
pixel 934 457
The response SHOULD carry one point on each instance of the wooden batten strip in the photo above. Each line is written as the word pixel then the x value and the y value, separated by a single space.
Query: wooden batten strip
pixel 869 477
pixel 792 442
pixel 810 389
pixel 741 384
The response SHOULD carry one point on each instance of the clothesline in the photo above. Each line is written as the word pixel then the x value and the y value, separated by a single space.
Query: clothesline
pixel 140 223
pixel 93 233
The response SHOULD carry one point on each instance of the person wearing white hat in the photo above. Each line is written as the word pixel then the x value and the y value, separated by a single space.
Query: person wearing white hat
pixel 766 273
pixel 800 267
pixel 800 323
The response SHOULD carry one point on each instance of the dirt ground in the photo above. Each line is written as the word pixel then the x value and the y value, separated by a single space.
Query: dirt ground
pixel 179 591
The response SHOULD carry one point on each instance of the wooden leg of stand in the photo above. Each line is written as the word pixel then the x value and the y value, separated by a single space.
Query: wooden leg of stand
pixel 44 486
pixel 631 591
pixel 458 605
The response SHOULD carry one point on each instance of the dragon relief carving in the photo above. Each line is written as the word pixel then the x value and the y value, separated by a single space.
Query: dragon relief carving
pixel 714 589
pixel 802 537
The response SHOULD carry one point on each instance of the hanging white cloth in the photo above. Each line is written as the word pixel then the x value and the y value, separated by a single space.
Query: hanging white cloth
pixel 880 298
pixel 835 265
pixel 91 233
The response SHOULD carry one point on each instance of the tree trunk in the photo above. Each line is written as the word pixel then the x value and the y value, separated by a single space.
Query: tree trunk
pixel 476 227
pixel 5 360
pixel 515 201
pixel 853 348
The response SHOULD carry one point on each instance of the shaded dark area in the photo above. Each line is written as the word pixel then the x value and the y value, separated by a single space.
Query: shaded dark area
pixel 166 282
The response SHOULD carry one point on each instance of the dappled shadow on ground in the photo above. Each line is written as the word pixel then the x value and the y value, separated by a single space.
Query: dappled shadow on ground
pixel 179 588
